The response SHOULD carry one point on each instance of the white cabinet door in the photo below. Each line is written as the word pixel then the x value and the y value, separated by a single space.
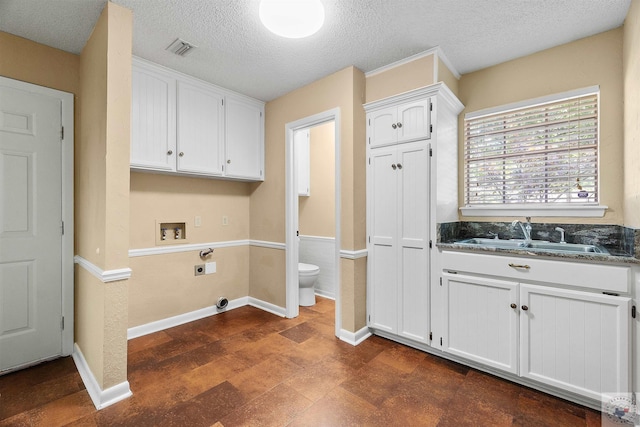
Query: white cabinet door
pixel 302 149
pixel 383 258
pixel 412 170
pixel 153 118
pixel 200 130
pixel 405 123
pixel 577 341
pixel 244 144
pixel 481 323
pixel 383 127
pixel 414 121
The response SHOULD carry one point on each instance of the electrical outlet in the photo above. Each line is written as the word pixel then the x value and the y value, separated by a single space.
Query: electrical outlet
pixel 225 220
pixel 197 221
pixel 199 270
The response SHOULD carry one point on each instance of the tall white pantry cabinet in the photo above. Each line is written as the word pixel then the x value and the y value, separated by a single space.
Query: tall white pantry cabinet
pixel 412 184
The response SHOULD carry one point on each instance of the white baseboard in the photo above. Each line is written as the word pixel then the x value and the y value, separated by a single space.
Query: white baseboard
pixel 325 294
pixel 170 322
pixel 101 398
pixel 266 306
pixel 355 338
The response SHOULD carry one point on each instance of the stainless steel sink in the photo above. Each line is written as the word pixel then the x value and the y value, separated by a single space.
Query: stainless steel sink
pixel 534 245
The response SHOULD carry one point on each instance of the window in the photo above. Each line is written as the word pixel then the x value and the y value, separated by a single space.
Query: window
pixel 536 155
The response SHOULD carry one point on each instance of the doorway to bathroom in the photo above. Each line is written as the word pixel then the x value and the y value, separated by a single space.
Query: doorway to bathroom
pixel 313 206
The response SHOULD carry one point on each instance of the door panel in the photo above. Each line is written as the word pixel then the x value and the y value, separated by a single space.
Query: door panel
pixel 578 341
pixel 381 127
pixel 30 228
pixel 415 119
pixel 480 324
pixel 244 139
pixel 200 130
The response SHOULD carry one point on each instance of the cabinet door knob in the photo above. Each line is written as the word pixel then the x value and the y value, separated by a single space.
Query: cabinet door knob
pixel 525 308
pixel 399 166
pixel 229 161
pixel 394 125
pixel 393 166
pixel 170 152
pixel 181 154
pixel 399 124
pixel 513 305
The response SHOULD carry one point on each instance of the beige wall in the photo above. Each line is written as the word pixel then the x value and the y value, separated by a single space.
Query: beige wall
pixel 345 90
pixel 595 60
pixel 447 77
pixel 317 211
pixel 631 73
pixel 163 286
pixel 401 79
pixel 31 62
pixel 102 193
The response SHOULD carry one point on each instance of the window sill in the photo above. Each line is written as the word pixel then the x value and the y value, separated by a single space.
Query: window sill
pixel 585 211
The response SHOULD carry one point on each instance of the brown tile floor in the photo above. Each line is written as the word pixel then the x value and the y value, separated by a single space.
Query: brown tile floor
pixel 250 368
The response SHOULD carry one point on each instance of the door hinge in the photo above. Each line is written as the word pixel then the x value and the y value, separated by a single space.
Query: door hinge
pixel 222 102
pixel 369 239
pixel 633 311
pixel 430 128
pixel 63 228
pixel 62 133
pixel 260 173
pixel 62 324
pixel 430 244
pixel 222 168
pixel 369 140
pixel 431 106
pixel 430 152
pixel 260 113
pixel 441 281
pixel 369 160
pixel 369 318
pixel 440 340
pixel 430 336
pixel 369 122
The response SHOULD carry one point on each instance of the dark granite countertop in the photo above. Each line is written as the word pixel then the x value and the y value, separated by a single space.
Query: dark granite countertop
pixel 622 243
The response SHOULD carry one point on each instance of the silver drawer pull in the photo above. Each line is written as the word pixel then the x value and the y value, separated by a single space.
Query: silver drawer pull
pixel 525 266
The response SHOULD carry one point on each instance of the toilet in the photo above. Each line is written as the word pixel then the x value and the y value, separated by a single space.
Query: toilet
pixel 307 276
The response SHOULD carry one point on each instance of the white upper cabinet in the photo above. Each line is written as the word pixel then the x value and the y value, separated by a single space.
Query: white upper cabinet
pixel 153 119
pixel 244 142
pixel 200 130
pixel 403 123
pixel 302 149
pixel 186 126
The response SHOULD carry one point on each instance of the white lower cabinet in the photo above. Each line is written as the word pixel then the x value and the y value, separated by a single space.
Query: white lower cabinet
pixel 482 320
pixel 574 340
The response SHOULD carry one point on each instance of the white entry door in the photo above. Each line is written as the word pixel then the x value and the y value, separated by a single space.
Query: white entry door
pixel 30 228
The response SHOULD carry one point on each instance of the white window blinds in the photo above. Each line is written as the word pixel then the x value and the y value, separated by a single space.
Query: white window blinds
pixel 541 153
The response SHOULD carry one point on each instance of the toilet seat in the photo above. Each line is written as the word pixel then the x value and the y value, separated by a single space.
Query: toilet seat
pixel 307 269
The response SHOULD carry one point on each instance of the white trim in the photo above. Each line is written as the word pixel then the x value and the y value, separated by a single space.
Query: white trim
pixel 325 294
pixel 404 61
pixel 67 156
pixel 362 253
pixel 265 244
pixel 291 212
pixel 105 276
pixel 534 102
pixel 267 306
pixel 558 210
pixel 161 250
pixel 170 322
pixel 439 89
pixel 100 398
pixel 445 60
pixel 355 338
pixel 317 238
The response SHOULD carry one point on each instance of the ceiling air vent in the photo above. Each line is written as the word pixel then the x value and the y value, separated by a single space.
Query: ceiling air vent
pixel 181 47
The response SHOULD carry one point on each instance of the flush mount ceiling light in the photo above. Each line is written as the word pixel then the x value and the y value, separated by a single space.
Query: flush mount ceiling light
pixel 293 19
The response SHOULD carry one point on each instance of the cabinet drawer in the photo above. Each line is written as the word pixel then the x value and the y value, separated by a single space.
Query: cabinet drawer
pixel 591 276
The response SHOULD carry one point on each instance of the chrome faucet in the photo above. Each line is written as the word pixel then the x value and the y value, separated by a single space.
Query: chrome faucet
pixel 561 230
pixel 526 229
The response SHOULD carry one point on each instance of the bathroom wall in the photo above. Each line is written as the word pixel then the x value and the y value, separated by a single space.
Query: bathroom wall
pixel 317 211
pixel 411 75
pixel 345 90
pixel 595 60
pixel 164 285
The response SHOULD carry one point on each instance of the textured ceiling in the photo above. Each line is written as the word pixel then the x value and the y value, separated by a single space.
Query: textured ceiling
pixel 235 51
